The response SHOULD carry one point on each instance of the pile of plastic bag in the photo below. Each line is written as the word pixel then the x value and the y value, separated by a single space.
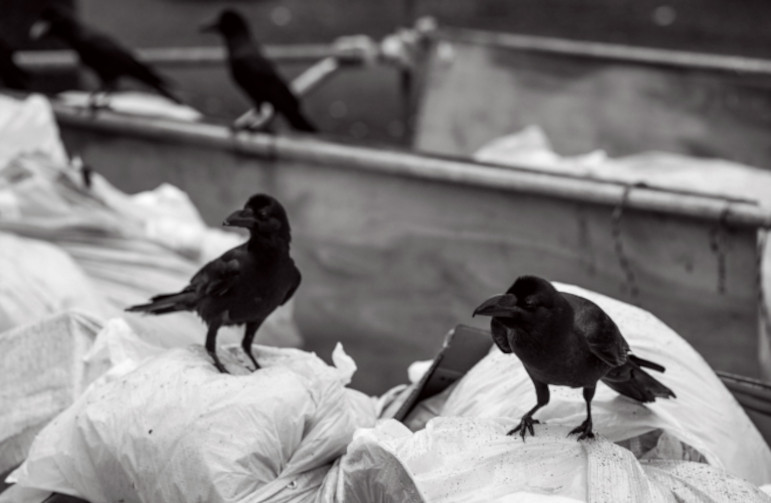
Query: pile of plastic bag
pixel 164 425
pixel 141 414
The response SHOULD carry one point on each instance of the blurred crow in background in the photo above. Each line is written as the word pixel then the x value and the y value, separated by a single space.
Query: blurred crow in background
pixel 106 57
pixel 253 72
pixel 566 340
pixel 11 76
pixel 245 284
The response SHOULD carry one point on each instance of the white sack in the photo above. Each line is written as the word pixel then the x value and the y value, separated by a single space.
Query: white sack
pixel 43 372
pixel 169 427
pixel 473 460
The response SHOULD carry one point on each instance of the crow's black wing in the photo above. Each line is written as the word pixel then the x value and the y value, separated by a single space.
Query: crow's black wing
pixel 601 333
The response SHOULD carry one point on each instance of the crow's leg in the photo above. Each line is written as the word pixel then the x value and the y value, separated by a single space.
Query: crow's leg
pixel 211 346
pixel 246 343
pixel 585 428
pixel 527 421
pixel 94 101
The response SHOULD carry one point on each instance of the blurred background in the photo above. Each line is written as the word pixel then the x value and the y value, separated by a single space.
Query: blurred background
pixel 345 106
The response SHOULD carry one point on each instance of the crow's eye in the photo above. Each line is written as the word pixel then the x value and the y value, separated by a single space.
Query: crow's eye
pixel 529 304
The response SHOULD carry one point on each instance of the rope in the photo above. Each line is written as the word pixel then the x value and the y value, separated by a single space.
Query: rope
pixel 623 259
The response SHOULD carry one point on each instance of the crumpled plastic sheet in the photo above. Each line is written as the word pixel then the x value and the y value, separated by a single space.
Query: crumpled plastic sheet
pixel 169 427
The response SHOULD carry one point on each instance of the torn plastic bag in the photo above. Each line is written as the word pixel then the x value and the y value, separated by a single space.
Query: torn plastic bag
pixel 704 416
pixel 473 460
pixel 169 427
pixel 43 372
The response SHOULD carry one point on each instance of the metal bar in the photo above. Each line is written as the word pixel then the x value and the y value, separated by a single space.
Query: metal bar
pixel 522 178
pixel 315 75
pixel 599 50
pixel 189 56
pixel 302 85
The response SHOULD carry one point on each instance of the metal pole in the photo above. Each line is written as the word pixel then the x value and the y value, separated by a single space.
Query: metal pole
pixel 520 179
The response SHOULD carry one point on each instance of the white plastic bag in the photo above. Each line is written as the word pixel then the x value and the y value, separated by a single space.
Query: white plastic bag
pixel 473 460
pixel 169 427
pixel 38 279
pixel 43 372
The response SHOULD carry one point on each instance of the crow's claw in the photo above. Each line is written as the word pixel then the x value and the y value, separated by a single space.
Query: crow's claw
pixel 585 430
pixel 525 425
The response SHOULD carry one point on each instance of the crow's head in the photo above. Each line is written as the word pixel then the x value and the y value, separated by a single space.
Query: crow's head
pixel 229 22
pixel 53 18
pixel 262 214
pixel 528 295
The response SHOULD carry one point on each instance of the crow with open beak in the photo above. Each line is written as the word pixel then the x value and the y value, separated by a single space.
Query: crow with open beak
pixel 253 72
pixel 106 57
pixel 246 283
pixel 566 340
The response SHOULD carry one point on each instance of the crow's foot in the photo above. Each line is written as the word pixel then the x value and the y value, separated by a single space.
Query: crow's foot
pixel 585 430
pixel 256 365
pixel 218 364
pixel 525 425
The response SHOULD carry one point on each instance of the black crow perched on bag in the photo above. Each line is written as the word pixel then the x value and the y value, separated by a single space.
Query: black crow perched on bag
pixel 566 340
pixel 246 283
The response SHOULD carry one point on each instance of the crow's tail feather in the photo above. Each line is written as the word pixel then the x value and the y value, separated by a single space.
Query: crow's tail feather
pixel 167 303
pixel 647 363
pixel 632 381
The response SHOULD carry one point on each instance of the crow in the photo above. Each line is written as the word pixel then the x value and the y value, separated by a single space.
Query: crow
pixel 11 76
pixel 566 340
pixel 246 283
pixel 253 72
pixel 106 57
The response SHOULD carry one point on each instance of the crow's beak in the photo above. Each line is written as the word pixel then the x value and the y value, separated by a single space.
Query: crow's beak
pixel 240 218
pixel 211 26
pixel 500 305
pixel 39 29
